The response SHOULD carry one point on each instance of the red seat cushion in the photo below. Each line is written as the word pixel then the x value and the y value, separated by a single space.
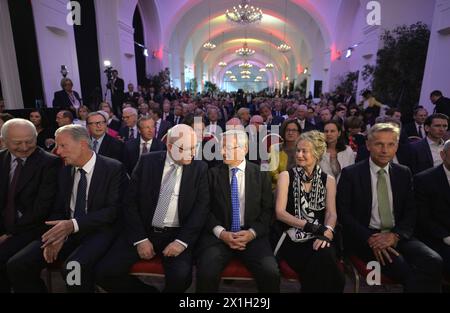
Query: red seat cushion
pixel 154 266
pixel 287 272
pixel 361 267
pixel 236 269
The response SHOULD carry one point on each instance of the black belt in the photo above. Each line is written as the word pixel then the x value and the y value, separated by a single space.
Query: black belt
pixel 164 229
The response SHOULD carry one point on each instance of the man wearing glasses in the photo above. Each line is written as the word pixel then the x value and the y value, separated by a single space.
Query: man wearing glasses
pixel 165 209
pixel 102 143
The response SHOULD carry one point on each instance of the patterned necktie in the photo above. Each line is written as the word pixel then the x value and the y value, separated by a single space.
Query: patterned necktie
pixel 236 218
pixel 95 146
pixel 10 209
pixel 165 194
pixel 80 205
pixel 384 207
pixel 144 148
pixel 131 136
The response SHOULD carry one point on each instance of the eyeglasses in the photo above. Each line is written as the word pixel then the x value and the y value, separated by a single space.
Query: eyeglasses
pixel 97 123
pixel 292 131
pixel 191 150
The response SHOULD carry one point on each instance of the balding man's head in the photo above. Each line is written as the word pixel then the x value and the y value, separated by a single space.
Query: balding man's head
pixel 19 137
pixel 181 144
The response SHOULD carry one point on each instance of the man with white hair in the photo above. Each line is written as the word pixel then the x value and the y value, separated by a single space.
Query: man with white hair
pixel 82 224
pixel 302 114
pixel 165 210
pixel 130 129
pixel 27 191
pixel 432 193
pixel 239 222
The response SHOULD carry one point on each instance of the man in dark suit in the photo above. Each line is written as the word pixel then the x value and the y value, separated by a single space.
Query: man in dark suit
pixel 302 113
pixel 269 119
pixel 130 130
pixel 442 104
pixel 144 144
pixel 117 86
pixel 241 210
pixel 131 96
pixel 426 153
pixel 177 116
pixel 166 209
pixel 82 223
pixel 67 99
pixel 161 127
pixel 432 191
pixel 213 125
pixel 27 191
pixel 325 117
pixel 102 143
pixel 417 128
pixel 375 203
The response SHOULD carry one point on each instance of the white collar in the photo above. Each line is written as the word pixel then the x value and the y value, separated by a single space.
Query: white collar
pixel 375 168
pixel 89 166
pixel 240 167
pixel 432 143
pixel 146 142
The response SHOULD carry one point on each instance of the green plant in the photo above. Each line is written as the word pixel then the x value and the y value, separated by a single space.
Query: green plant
pixel 348 83
pixel 210 87
pixel 396 79
pixel 194 85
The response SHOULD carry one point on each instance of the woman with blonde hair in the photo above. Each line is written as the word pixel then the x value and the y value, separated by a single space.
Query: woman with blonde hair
pixel 306 208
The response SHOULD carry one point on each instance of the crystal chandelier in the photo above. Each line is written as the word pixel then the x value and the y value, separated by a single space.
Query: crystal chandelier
pixel 209 46
pixel 284 47
pixel 228 72
pixel 245 51
pixel 245 65
pixel 246 72
pixel 245 76
pixel 244 14
pixel 262 70
pixel 223 64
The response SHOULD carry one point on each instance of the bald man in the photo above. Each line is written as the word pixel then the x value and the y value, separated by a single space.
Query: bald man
pixel 166 208
pixel 28 184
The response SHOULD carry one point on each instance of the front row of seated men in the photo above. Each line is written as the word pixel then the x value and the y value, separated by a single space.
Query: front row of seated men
pixel 82 209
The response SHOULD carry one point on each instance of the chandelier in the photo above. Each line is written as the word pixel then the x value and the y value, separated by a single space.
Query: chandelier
pixel 244 14
pixel 245 51
pixel 209 46
pixel 270 66
pixel 245 76
pixel 284 47
pixel 246 72
pixel 223 64
pixel 245 65
pixel 228 72
pixel 262 70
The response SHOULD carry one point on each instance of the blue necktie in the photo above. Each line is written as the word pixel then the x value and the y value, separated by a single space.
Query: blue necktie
pixel 80 205
pixel 236 221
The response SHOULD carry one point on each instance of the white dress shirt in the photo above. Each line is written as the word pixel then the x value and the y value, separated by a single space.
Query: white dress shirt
pixel 147 143
pixel 436 151
pixel 89 169
pixel 375 220
pixel 240 176
pixel 302 123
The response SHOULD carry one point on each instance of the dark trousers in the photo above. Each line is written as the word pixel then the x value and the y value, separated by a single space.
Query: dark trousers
pixel 318 270
pixel 418 268
pixel 444 251
pixel 10 248
pixel 24 269
pixel 257 257
pixel 112 273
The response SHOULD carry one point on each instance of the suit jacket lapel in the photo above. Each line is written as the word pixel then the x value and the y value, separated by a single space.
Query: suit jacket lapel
pixel 28 171
pixel 395 189
pixel 4 176
pixel 103 150
pixel 224 186
pixel 185 187
pixel 366 184
pixel 67 187
pixel 429 155
pixel 249 178
pixel 96 181
pixel 442 179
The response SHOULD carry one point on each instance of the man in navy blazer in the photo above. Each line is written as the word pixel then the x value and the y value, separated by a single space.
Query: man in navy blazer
pixel 426 153
pixel 166 209
pixel 82 225
pixel 161 127
pixel 375 203
pixel 144 144
pixel 432 192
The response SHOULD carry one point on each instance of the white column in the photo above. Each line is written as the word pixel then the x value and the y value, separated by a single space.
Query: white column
pixel 56 45
pixel 9 72
pixel 437 68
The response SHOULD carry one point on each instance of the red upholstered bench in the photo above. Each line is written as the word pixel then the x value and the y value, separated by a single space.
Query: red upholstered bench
pixel 360 269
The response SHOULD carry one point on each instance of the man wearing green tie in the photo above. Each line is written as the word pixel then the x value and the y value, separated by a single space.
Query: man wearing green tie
pixel 375 203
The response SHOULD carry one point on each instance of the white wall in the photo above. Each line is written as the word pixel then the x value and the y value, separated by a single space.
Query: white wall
pixel 56 46
pixel 9 72
pixel 437 69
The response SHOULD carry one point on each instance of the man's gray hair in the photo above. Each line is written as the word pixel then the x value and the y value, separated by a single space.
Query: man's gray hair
pixel 447 146
pixel 101 113
pixel 130 110
pixel 384 127
pixel 17 122
pixel 77 132
pixel 241 137
pixel 388 120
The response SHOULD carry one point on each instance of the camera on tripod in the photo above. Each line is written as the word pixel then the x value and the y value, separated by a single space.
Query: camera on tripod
pixel 108 69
